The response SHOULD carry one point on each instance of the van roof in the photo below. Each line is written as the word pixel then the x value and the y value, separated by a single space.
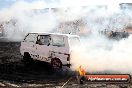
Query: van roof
pixel 68 35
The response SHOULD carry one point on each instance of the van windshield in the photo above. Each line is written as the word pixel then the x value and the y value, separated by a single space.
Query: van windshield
pixel 74 41
pixel 31 38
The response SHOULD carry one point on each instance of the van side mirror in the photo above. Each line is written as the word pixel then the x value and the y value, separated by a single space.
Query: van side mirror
pixel 39 42
pixel 36 42
pixel 48 44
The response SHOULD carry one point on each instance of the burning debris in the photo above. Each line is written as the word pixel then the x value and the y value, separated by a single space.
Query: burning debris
pixel 80 75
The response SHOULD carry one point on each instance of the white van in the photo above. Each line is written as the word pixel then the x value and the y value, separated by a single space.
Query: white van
pixel 49 47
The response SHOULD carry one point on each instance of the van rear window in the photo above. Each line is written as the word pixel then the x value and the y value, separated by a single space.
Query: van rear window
pixel 74 41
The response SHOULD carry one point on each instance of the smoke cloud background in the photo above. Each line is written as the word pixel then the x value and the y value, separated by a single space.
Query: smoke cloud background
pixel 98 52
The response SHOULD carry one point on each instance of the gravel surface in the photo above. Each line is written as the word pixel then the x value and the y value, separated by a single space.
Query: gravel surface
pixel 14 74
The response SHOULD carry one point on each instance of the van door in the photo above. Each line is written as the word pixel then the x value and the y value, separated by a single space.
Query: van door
pixel 43 46
pixel 29 43
pixel 60 48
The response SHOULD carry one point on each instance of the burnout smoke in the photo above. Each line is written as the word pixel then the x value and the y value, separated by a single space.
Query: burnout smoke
pixel 98 52
pixel 102 55
pixel 22 18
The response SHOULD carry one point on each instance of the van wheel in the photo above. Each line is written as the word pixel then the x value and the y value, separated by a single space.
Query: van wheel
pixel 27 59
pixel 56 63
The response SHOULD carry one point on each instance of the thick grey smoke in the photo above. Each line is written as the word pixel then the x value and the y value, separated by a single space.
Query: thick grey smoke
pixel 98 52
pixel 22 18
pixel 102 55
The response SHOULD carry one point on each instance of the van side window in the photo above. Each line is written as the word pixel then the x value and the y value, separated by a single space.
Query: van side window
pixel 43 40
pixel 58 41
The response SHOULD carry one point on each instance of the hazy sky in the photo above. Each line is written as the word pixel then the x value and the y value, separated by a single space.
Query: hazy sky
pixel 7 3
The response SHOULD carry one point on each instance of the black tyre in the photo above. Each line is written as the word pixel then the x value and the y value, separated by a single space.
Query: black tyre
pixel 56 63
pixel 27 59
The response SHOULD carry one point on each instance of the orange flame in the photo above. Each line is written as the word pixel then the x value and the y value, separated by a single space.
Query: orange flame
pixel 81 71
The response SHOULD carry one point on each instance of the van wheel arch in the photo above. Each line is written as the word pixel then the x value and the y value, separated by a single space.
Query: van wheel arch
pixel 56 63
pixel 27 58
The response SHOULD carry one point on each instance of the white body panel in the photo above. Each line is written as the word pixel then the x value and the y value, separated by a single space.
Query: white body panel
pixel 44 47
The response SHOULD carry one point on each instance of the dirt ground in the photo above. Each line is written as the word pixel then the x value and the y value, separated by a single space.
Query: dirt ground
pixel 13 72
